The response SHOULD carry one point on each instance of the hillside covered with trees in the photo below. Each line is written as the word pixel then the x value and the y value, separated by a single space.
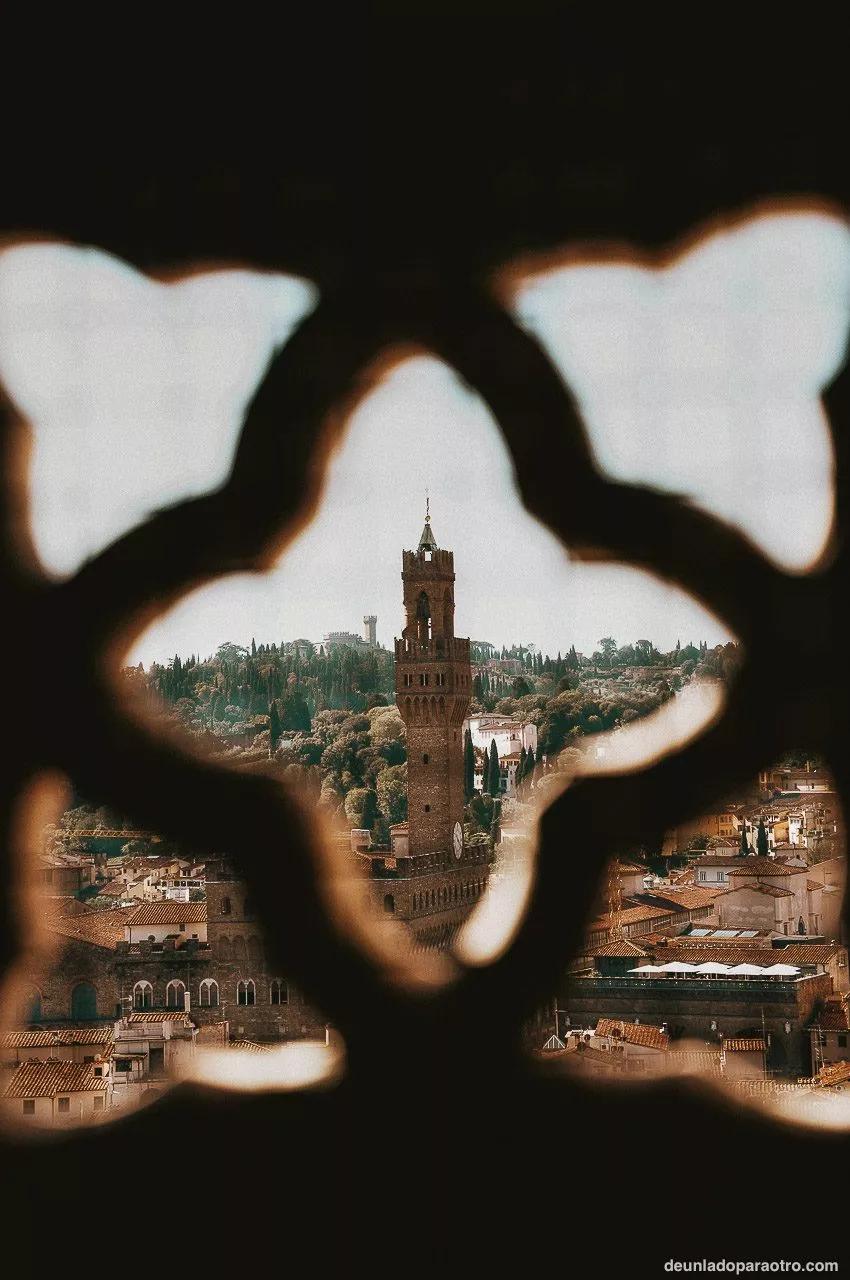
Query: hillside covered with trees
pixel 327 721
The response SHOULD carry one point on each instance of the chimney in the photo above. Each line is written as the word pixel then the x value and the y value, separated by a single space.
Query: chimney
pixel 187 1001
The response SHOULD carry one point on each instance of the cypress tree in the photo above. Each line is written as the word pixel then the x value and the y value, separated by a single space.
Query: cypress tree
pixel 494 774
pixel 485 775
pixel 468 766
pixel 744 847
pixel 762 847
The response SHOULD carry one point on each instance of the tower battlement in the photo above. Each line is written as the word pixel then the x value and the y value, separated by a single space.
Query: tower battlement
pixel 437 562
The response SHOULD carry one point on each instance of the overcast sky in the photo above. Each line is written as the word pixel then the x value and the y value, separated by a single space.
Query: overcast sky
pixel 702 379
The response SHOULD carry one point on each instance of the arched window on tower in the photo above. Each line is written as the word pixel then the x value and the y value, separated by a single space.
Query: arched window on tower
pixel 389 903
pixel 423 617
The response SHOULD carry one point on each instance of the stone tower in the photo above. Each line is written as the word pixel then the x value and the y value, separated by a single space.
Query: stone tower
pixel 370 622
pixel 433 683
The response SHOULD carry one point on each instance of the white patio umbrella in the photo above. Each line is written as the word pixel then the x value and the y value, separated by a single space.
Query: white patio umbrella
pixel 747 969
pixel 782 970
pixel 713 966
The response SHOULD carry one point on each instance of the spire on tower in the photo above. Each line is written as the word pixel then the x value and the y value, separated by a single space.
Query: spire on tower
pixel 427 542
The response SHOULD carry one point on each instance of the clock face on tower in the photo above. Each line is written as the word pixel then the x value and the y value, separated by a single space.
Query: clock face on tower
pixel 457 839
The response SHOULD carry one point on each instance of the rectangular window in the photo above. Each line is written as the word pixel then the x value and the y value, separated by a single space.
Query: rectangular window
pixel 64 1104
pixel 98 1102
pixel 29 1106
pixel 122 1064
pixel 842 1042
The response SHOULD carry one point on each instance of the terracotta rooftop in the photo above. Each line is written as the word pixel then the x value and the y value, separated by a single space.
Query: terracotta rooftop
pixel 632 915
pixel 694 1060
pixel 619 947
pixel 112 889
pixel 744 1044
pixel 100 928
pixel 67 907
pixel 149 913
pixel 762 867
pixel 770 890
pixel 721 860
pixel 171 1015
pixel 46 1039
pixel 46 1079
pixel 796 954
pixel 833 1014
pixel 249 1046
pixel 687 897
pixel 834 1073
pixel 633 1033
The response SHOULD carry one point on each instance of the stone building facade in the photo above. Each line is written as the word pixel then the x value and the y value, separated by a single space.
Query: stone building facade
pixel 701 1009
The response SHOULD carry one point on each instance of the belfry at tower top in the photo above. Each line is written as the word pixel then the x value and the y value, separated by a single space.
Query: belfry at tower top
pixel 427 542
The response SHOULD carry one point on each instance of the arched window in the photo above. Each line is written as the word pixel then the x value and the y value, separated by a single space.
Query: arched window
pixel 278 991
pixel 174 993
pixel 224 907
pixel 423 617
pixel 389 903
pixel 33 1011
pixel 142 995
pixel 239 949
pixel 255 948
pixel 209 994
pixel 224 949
pixel 84 1001
pixel 246 992
pixel 425 758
